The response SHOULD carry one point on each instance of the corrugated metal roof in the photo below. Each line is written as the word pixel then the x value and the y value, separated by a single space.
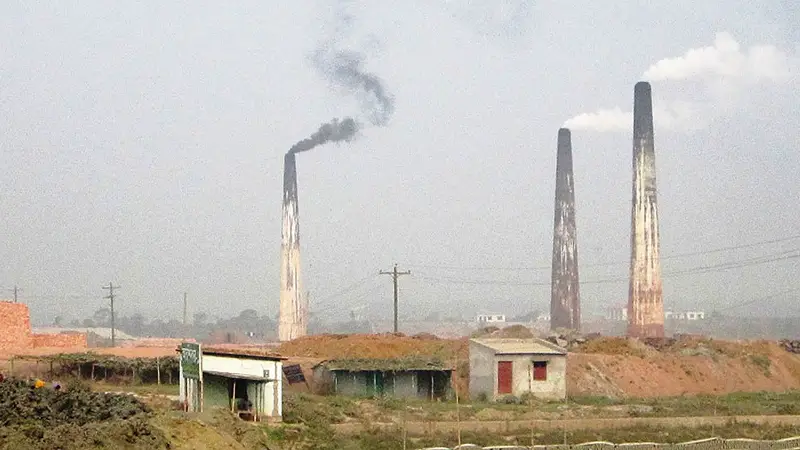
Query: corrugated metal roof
pixel 533 346
pixel 385 364
pixel 242 353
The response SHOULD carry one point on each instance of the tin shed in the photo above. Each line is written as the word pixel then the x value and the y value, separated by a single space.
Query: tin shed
pixel 401 377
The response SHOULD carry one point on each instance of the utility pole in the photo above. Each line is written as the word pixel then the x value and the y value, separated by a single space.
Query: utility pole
pixel 110 296
pixel 185 295
pixel 16 290
pixel 395 275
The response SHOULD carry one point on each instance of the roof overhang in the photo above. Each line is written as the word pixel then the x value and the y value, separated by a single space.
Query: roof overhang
pixel 238 376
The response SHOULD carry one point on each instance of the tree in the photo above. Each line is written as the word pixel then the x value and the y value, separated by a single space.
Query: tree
pixel 102 317
pixel 199 318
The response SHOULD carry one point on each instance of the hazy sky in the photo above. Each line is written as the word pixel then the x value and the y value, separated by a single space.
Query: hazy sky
pixel 142 143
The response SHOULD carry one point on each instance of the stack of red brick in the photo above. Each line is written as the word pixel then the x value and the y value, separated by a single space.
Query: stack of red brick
pixel 16 336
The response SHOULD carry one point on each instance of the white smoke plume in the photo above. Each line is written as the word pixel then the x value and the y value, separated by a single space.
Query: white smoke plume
pixel 724 69
pixel 724 59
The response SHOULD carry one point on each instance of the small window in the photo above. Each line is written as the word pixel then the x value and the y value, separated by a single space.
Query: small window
pixel 540 370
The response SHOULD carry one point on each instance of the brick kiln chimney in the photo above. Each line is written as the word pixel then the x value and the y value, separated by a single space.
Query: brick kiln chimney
pixel 565 306
pixel 645 299
pixel 292 320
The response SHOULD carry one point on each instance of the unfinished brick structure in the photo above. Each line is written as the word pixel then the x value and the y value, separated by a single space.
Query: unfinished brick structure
pixel 16 336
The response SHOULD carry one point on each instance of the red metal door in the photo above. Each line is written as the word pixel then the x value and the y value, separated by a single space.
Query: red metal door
pixel 540 370
pixel 504 377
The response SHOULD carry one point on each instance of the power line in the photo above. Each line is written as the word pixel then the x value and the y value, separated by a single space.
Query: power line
pixel 760 299
pixel 359 297
pixel 782 256
pixel 617 263
pixel 349 288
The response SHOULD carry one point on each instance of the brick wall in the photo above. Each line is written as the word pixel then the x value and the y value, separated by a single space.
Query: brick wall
pixel 63 340
pixel 15 327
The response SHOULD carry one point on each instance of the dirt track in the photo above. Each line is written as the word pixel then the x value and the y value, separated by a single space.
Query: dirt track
pixel 499 426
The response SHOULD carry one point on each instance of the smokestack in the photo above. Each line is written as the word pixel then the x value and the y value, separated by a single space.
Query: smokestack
pixel 645 299
pixel 292 320
pixel 565 306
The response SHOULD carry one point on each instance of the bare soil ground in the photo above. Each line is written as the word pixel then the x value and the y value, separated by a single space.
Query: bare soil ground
pixel 616 367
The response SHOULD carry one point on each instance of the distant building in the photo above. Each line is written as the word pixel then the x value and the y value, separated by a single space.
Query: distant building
pixel 685 315
pixel 617 313
pixel 491 318
pixel 400 377
pixel 499 367
pixel 543 318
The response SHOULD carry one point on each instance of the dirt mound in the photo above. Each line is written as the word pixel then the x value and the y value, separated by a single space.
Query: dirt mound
pixel 74 417
pixel 373 346
pixel 629 368
pixel 512 332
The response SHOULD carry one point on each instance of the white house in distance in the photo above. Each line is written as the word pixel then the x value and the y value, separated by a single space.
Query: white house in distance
pixel 246 381
pixel 499 367
pixel 484 319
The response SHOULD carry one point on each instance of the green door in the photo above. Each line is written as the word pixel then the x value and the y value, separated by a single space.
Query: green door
pixel 379 383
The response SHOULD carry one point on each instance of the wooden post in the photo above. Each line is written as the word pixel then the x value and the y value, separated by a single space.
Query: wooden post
pixel 92 371
pixel 233 396
pixel 455 389
pixel 158 371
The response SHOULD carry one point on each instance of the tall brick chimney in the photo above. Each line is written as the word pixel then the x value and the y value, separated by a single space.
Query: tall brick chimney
pixel 565 305
pixel 292 316
pixel 645 298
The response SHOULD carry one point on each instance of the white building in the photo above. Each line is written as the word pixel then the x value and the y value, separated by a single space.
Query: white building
pixel 499 367
pixel 491 318
pixel 618 313
pixel 248 382
pixel 685 315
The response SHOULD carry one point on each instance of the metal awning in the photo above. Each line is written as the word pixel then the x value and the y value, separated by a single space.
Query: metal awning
pixel 239 376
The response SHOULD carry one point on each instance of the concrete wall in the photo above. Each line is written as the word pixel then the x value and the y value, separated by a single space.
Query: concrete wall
pixel 404 385
pixel 272 397
pixel 395 384
pixel 483 374
pixel 215 392
pixel 351 383
pixel 554 388
pixel 482 371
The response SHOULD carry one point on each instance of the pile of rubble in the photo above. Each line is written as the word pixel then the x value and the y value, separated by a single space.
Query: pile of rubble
pixel 660 343
pixel 790 346
pixel 569 338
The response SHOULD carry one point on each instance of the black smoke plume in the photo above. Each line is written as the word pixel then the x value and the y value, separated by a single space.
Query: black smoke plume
pixel 334 131
pixel 345 69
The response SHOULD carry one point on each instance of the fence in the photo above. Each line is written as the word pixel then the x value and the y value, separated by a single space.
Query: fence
pixel 94 367
pixel 792 443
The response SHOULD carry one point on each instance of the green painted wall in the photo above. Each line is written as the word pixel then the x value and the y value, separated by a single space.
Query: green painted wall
pixel 215 392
